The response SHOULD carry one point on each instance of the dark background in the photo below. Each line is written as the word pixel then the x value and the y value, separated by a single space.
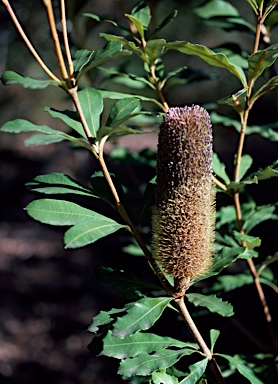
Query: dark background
pixel 48 294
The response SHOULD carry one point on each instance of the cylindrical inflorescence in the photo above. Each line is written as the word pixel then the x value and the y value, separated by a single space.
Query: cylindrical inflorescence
pixel 183 227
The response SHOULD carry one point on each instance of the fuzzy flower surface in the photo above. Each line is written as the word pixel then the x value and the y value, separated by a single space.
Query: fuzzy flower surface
pixel 183 224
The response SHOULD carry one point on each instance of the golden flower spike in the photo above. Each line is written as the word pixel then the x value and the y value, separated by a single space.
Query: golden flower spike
pixel 183 224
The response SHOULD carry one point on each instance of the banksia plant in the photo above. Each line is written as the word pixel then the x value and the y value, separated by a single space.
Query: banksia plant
pixel 183 224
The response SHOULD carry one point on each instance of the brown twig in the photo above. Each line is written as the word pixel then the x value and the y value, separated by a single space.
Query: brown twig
pixel 199 339
pixel 56 41
pixel 244 120
pixel 28 43
pixel 66 42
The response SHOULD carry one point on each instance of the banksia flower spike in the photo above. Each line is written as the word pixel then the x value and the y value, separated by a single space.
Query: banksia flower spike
pixel 183 227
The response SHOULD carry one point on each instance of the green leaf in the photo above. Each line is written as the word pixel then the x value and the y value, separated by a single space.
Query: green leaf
pixel 142 13
pixel 269 260
pixel 211 302
pixel 270 84
pixel 118 131
pixel 243 369
pixel 144 364
pixel 219 168
pixel 210 57
pixel 214 334
pixel 138 343
pixel 129 45
pixel 162 377
pixel 265 131
pixel 141 315
pixel 124 281
pixel 154 49
pixel 68 117
pixel 148 200
pixel 89 231
pixel 81 58
pixel 229 282
pixel 245 164
pixel 262 60
pixel 222 259
pixel 103 318
pixel 268 172
pixel 58 183
pixel 138 24
pixel 10 77
pixel 118 95
pixel 164 22
pixel 102 19
pixel 102 190
pixel 251 241
pixel 111 49
pixel 196 371
pixel 20 126
pixel 92 106
pixel 262 213
pixel 60 212
pixel 216 8
pixel 122 110
pixel 44 139
pixel 236 100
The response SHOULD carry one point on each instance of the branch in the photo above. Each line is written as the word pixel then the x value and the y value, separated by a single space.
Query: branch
pixel 199 339
pixel 66 41
pixel 28 43
pixel 57 46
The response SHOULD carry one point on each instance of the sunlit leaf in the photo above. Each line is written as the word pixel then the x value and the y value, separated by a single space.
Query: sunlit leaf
pixel 89 231
pixel 92 106
pixel 242 368
pixel 58 183
pixel 10 77
pixel 144 364
pixel 212 58
pixel 141 315
pixel 60 212
pixel 212 303
pixel 196 371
